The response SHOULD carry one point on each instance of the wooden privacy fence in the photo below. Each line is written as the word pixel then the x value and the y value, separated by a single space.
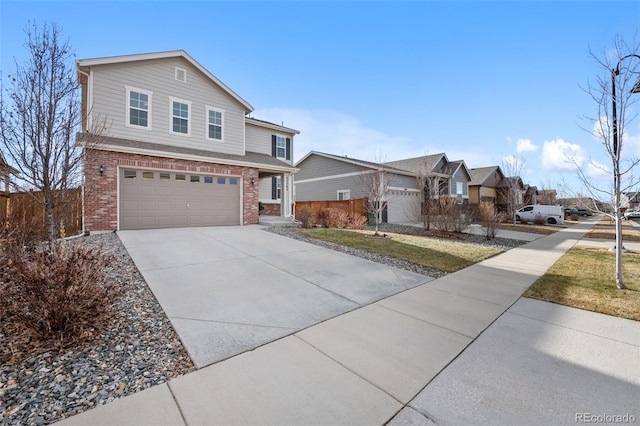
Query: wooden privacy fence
pixel 355 206
pixel 28 206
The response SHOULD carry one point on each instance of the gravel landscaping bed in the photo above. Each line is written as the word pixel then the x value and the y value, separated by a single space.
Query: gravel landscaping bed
pixel 139 349
pixel 502 243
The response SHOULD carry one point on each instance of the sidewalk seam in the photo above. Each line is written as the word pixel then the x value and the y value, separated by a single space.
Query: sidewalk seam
pixel 184 420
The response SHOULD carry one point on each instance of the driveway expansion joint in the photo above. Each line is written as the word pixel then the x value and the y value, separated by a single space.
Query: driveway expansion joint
pixel 235 323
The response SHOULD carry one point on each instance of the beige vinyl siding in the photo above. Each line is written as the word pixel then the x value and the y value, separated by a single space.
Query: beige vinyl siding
pixel 258 139
pixel 158 77
pixel 264 191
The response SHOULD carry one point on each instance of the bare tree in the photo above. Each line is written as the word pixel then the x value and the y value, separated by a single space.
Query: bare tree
pixel 39 118
pixel 375 184
pixel 612 93
pixel 431 185
pixel 510 188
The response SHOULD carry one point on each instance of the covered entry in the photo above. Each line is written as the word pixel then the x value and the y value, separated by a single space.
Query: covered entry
pixel 159 199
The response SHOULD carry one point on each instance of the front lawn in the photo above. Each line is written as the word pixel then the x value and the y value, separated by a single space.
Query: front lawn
pixel 584 278
pixel 446 256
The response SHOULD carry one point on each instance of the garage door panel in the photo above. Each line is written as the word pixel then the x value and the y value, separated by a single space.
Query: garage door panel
pixel 163 201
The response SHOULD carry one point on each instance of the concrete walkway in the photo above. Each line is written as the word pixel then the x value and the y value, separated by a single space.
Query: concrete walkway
pixel 444 352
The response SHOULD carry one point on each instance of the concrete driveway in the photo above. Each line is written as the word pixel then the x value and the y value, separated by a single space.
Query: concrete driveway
pixel 228 290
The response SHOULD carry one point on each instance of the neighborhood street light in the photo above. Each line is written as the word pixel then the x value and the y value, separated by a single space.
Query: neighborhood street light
pixel 616 167
pixel 636 89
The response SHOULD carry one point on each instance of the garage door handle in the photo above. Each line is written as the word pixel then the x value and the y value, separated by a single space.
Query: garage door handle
pixel 187 205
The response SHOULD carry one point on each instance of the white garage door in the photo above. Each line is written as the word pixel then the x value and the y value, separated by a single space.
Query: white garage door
pixel 403 206
pixel 153 199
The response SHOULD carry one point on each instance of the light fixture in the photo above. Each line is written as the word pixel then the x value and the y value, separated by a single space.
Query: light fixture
pixel 253 181
pixel 101 169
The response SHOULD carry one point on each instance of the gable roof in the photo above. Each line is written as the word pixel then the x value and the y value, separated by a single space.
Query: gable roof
pixel 480 175
pixel 269 125
pixel 361 163
pixel 419 165
pixel 84 63
pixel 5 167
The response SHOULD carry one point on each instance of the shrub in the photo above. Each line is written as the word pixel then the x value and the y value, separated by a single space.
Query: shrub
pixel 451 218
pixel 490 219
pixel 331 217
pixel 307 216
pixel 539 219
pixel 21 232
pixel 574 217
pixel 57 291
pixel 357 221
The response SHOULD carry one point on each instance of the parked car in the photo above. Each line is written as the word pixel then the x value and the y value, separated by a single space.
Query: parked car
pixel 631 214
pixel 551 214
pixel 581 212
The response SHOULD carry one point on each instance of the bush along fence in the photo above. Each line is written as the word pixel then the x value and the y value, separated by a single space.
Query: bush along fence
pixel 355 206
pixel 27 207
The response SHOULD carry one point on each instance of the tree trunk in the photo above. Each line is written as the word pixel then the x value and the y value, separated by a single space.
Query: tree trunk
pixel 619 277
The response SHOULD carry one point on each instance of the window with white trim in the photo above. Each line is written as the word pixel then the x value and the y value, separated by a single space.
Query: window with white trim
pixel 138 108
pixel 281 147
pixel 278 187
pixel 180 122
pixel 215 119
pixel 344 194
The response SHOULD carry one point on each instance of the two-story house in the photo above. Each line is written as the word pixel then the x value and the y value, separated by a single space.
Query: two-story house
pixel 169 145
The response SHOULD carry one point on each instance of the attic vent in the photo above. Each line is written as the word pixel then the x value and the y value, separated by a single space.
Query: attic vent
pixel 181 75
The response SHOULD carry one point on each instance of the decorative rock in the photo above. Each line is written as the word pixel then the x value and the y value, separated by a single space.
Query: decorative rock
pixel 44 388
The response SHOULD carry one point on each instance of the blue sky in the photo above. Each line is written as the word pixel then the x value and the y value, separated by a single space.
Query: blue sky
pixel 379 80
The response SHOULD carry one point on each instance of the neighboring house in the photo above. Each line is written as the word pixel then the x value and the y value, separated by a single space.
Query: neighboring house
pixel 510 193
pixel 631 199
pixel 530 195
pixel 175 147
pixel 548 197
pixel 483 185
pixel 446 178
pixel 323 176
pixel 5 188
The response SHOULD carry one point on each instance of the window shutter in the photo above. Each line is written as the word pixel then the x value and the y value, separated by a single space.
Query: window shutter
pixel 288 155
pixel 274 186
pixel 273 146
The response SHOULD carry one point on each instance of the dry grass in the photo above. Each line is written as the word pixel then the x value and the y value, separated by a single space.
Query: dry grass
pixel 447 256
pixel 584 278
pixel 605 229
pixel 535 229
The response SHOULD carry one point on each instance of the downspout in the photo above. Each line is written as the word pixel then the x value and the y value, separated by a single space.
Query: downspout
pixel 84 149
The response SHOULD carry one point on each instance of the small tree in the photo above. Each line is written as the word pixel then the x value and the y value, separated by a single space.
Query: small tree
pixel 39 118
pixel 510 188
pixel 431 185
pixel 375 184
pixel 614 89
pixel 490 219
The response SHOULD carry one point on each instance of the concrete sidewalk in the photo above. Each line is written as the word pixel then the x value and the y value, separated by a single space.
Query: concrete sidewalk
pixel 444 352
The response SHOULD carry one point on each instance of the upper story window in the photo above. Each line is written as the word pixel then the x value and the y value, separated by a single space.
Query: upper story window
pixel 180 120
pixel 215 119
pixel 281 147
pixel 138 108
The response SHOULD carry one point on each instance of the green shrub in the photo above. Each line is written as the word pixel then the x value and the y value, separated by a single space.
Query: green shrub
pixel 57 291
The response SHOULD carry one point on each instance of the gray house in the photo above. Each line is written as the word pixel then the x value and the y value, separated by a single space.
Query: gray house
pixel 323 176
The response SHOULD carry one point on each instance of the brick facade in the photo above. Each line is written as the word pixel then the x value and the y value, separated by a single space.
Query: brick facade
pixel 101 191
pixel 271 209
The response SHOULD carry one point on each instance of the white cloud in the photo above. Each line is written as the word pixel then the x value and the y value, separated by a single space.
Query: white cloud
pixel 558 155
pixel 337 133
pixel 525 145
pixel 596 170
